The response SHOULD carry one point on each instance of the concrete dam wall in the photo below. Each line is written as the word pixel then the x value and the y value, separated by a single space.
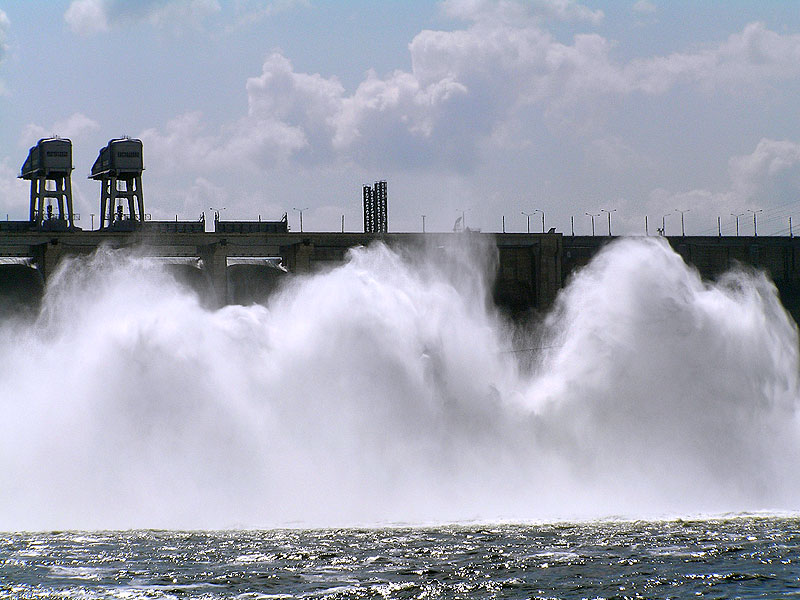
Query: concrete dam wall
pixel 236 266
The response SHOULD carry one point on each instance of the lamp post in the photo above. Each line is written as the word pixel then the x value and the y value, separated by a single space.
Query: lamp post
pixel 423 223
pixel 216 211
pixel 683 230
pixel 592 216
pixel 540 211
pixel 664 225
pixel 603 210
pixel 736 216
pixel 528 219
pixel 755 223
pixel 463 218
pixel 300 210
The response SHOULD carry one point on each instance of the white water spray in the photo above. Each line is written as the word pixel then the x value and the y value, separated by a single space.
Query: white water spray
pixel 386 391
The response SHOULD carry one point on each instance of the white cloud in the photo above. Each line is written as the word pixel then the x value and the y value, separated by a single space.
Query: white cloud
pixel 289 111
pixel 465 91
pixel 771 171
pixel 177 14
pixel 5 25
pixel 13 191
pixel 568 10
pixel 184 145
pixel 762 180
pixel 74 127
pixel 510 11
pixel 250 11
pixel 86 17
pixel 750 58
pixel 644 7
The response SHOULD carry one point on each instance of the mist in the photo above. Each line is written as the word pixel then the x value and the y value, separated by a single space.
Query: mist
pixel 389 390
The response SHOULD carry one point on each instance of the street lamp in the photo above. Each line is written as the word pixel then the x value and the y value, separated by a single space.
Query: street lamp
pixel 592 216
pixel 423 223
pixel 528 219
pixel 540 211
pixel 463 218
pixel 683 230
pixel 300 210
pixel 664 224
pixel 736 216
pixel 603 210
pixel 755 224
pixel 216 211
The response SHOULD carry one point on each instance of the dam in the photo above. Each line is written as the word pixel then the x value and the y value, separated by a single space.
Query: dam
pixel 242 262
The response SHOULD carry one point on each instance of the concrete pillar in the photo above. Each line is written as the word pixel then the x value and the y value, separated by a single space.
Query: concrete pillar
pixel 548 270
pixel 47 256
pixel 215 262
pixel 302 258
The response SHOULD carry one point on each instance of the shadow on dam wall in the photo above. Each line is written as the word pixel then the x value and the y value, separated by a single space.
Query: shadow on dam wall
pixel 21 290
pixel 22 287
pixel 790 298
pixel 246 283
pixel 252 284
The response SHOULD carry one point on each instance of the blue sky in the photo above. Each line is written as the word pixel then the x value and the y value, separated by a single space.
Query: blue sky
pixel 491 107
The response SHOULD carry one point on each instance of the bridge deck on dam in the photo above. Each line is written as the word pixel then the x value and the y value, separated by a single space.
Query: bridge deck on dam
pixel 241 268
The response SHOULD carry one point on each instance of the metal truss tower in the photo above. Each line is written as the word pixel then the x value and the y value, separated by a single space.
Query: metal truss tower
pixel 375 208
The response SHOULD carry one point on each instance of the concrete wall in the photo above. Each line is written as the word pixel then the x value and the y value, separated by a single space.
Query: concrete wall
pixel 530 268
pixel 778 257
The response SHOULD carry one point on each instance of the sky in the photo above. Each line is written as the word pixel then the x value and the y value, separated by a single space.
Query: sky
pixel 637 109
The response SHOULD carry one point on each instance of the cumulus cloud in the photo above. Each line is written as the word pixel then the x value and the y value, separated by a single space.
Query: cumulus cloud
pixel 184 143
pixel 13 191
pixel 86 17
pixel 74 127
pixel 762 180
pixel 644 7
pixel 771 171
pixel 464 89
pixel 750 58
pixel 5 25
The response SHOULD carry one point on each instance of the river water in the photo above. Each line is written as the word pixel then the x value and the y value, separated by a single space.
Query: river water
pixel 735 557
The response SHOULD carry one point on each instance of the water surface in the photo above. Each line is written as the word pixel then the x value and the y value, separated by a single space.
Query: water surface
pixel 740 557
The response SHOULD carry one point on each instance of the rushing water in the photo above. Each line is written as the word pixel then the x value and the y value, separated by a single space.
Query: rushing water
pixel 387 390
pixel 744 557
